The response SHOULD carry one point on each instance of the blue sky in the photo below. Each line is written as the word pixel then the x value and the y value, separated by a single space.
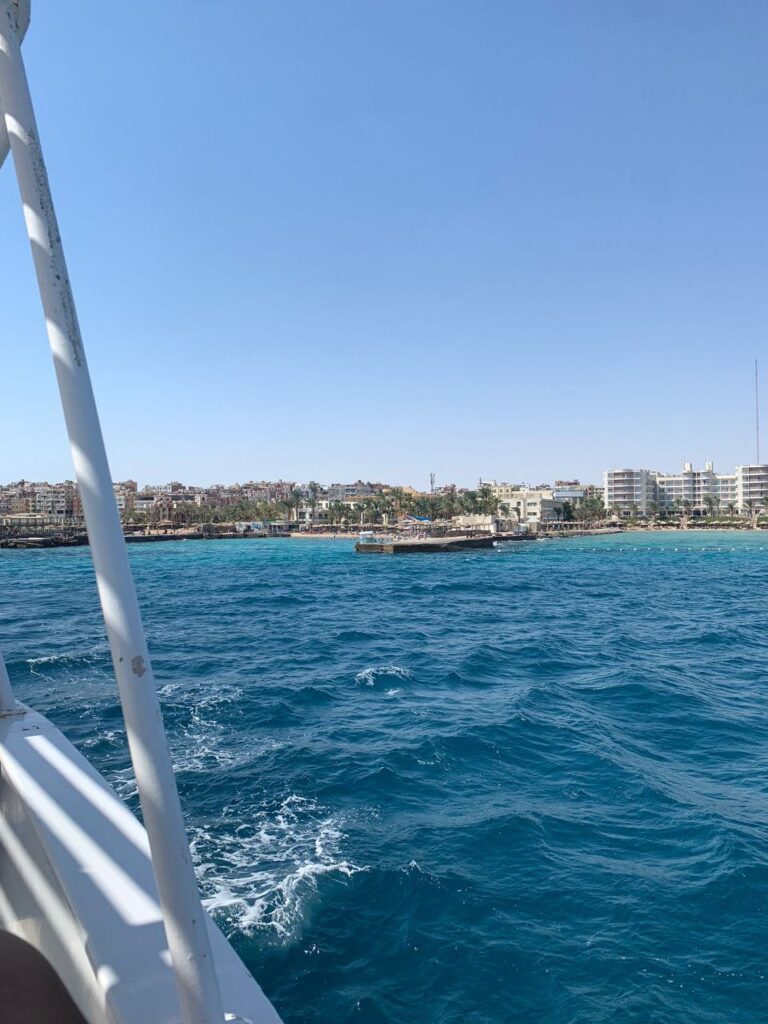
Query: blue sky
pixel 323 239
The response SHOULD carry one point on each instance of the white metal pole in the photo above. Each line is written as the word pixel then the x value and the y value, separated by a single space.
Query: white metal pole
pixel 4 144
pixel 177 887
pixel 22 24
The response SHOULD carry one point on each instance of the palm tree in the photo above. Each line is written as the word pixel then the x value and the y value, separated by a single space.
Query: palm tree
pixel 398 498
pixel 585 511
pixel 283 509
pixel 266 511
pixel 436 507
pixel 755 509
pixel 387 508
pixel 731 506
pixel 314 489
pixel 449 504
pixel 710 503
pixel 293 501
pixel 468 502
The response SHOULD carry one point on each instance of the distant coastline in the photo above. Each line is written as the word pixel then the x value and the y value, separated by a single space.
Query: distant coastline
pixel 558 531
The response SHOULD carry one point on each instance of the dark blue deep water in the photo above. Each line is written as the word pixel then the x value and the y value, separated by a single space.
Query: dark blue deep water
pixel 526 784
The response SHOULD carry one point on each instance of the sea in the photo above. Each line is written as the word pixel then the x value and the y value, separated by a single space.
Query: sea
pixel 526 784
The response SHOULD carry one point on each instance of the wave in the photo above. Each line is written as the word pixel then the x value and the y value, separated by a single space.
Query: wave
pixel 68 662
pixel 259 870
pixel 566 750
pixel 371 676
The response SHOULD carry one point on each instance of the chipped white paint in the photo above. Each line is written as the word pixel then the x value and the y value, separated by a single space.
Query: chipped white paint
pixel 185 921
pixel 22 24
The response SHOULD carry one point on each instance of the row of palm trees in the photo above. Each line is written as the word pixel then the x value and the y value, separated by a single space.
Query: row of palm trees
pixel 684 508
pixel 381 507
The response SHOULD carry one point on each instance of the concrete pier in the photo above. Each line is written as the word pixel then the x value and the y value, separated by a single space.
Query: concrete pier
pixel 422 545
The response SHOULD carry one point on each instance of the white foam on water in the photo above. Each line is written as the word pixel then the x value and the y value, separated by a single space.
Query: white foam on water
pixel 202 754
pixel 258 872
pixel 123 782
pixel 258 866
pixel 114 737
pixel 370 676
pixel 200 742
pixel 200 696
pixel 69 657
pixel 203 740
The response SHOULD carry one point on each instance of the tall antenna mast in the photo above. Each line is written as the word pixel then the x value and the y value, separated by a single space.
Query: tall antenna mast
pixel 757 418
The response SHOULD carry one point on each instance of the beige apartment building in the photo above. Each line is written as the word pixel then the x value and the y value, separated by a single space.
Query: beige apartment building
pixel 527 504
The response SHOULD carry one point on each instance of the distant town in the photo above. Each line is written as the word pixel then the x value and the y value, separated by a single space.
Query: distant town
pixel 275 506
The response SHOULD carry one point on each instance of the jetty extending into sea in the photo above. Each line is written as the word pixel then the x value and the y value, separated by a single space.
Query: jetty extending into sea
pixel 425 545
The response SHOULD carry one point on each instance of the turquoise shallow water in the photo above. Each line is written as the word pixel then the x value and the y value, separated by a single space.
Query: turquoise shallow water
pixel 526 784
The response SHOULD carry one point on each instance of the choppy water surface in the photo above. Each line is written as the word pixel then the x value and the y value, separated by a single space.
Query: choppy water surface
pixel 527 784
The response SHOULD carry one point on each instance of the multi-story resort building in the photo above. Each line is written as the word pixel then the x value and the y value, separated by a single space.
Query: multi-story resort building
pixel 751 486
pixel 693 486
pixel 541 503
pixel 527 504
pixel 569 490
pixel 56 500
pixel 644 491
pixel 630 489
pixel 16 499
pixel 340 492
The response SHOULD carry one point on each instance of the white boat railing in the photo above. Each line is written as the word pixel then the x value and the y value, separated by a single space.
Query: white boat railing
pixel 185 921
pixel 7 700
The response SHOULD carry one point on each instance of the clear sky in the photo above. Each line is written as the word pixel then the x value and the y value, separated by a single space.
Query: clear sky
pixel 378 238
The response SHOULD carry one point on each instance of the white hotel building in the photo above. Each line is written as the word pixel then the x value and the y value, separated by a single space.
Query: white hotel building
pixel 629 489
pixel 643 490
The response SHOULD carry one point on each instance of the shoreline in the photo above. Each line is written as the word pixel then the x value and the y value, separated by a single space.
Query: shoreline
pixel 81 540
